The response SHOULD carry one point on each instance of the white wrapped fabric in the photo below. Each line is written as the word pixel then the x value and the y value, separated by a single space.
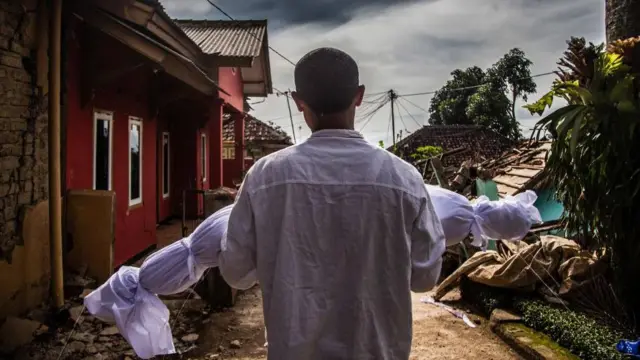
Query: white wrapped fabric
pixel 455 213
pixel 129 297
pixel 141 318
pixel 507 219
pixel 180 265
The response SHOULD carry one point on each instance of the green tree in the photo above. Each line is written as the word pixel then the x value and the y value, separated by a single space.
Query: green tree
pixel 475 96
pixel 489 107
pixel 449 104
pixel 515 70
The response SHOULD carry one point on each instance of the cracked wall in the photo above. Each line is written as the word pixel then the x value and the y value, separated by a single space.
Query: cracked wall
pixel 23 122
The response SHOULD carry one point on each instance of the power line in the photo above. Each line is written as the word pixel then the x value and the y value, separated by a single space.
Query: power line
pixel 255 36
pixel 408 113
pixel 474 86
pixel 414 104
pixel 371 115
pixel 282 117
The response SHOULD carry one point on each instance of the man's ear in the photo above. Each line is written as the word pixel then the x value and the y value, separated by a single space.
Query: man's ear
pixel 296 99
pixel 359 95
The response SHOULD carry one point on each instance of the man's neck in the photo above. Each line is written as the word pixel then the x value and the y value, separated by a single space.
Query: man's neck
pixel 334 127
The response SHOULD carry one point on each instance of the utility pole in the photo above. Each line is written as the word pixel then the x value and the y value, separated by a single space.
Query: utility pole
pixel 393 96
pixel 293 129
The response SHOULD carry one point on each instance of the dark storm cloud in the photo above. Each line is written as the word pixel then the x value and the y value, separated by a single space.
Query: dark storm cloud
pixel 409 46
pixel 282 12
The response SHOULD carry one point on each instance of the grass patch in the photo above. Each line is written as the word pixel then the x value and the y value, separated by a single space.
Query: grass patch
pixel 581 334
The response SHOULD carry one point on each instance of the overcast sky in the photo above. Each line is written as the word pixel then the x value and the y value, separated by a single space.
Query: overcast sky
pixel 407 45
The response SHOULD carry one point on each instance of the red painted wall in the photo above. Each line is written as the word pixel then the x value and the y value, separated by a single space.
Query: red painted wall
pixel 230 79
pixel 135 227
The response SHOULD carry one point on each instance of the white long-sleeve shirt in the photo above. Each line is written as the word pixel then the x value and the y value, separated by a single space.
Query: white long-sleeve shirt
pixel 337 232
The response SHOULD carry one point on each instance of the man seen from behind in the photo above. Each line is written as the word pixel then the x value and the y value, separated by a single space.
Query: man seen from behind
pixel 337 231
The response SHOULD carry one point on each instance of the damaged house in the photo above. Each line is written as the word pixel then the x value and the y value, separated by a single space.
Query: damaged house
pixel 463 146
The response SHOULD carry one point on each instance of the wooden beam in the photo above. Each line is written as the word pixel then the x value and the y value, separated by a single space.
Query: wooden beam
pixel 528 167
pixel 507 183
pixel 439 171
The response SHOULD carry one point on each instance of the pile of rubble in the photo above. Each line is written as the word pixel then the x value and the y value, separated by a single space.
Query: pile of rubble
pixel 75 334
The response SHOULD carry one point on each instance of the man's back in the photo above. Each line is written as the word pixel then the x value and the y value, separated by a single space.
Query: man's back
pixel 339 238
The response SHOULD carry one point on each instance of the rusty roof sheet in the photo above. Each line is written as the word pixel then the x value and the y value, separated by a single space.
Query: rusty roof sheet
pixel 237 38
pixel 256 130
pixel 520 168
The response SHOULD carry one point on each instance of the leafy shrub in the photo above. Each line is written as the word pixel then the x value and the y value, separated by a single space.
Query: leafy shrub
pixel 593 163
pixel 582 335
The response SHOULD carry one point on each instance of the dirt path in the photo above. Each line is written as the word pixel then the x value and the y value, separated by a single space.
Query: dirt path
pixel 437 334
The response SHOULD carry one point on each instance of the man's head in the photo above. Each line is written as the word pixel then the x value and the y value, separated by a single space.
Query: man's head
pixel 328 89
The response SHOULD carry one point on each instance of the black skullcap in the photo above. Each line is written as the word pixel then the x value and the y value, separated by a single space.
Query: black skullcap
pixel 327 80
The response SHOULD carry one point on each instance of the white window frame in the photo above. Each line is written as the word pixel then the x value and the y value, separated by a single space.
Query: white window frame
pixel 135 121
pixel 104 116
pixel 166 186
pixel 203 155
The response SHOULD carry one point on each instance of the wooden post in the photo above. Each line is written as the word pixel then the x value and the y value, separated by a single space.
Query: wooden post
pixel 238 130
pixel 55 186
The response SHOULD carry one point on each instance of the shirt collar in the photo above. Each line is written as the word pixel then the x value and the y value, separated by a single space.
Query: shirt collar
pixel 339 133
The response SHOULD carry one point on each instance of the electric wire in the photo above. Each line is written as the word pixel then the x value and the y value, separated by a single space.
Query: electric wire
pixel 409 113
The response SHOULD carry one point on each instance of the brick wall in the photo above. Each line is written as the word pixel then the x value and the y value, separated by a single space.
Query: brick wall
pixel 23 124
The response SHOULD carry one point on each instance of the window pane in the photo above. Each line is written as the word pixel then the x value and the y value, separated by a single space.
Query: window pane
pixel 134 140
pixel 165 164
pixel 102 154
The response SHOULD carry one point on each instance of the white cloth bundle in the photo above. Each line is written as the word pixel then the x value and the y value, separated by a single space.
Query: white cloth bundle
pixel 509 219
pixel 129 298
pixel 141 318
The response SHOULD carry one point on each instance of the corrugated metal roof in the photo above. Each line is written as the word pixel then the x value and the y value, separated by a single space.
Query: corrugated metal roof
pixel 238 38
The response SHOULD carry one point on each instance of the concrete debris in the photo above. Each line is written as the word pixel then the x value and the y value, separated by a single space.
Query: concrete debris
pixel 76 347
pixel 111 330
pixel 190 338
pixel 235 344
pixel 76 312
pixel 92 339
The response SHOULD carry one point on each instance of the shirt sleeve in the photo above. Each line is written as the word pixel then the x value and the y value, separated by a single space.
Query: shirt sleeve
pixel 237 258
pixel 427 246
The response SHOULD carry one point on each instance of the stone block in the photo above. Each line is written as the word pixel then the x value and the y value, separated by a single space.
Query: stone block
pixel 499 316
pixel 17 332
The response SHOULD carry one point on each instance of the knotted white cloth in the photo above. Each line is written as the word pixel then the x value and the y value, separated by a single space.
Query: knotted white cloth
pixel 510 218
pixel 129 297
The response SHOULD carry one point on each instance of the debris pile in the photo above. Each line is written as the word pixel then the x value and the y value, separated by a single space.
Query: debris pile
pixel 82 336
